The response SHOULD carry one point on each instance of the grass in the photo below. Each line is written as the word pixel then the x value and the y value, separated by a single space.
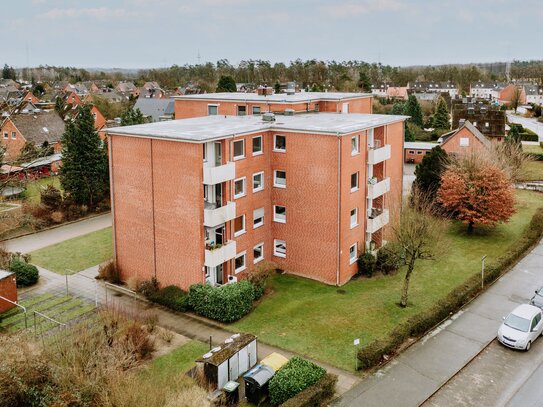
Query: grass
pixel 179 360
pixel 322 321
pixel 33 188
pixel 76 254
pixel 533 171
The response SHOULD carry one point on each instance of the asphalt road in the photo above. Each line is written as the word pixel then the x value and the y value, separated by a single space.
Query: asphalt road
pixel 531 124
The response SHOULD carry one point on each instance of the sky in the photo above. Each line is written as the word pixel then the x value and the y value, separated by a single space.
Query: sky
pixel 158 33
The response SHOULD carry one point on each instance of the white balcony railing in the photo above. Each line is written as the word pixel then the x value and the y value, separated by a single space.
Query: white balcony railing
pixel 377 155
pixel 218 256
pixel 221 173
pixel 377 220
pixel 376 189
pixel 214 216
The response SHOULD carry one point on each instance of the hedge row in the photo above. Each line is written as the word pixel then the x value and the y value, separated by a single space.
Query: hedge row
pixel 419 324
pixel 25 274
pixel 295 376
pixel 316 395
pixel 226 303
pixel 170 296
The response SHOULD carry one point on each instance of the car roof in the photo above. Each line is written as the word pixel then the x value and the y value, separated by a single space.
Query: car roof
pixel 526 311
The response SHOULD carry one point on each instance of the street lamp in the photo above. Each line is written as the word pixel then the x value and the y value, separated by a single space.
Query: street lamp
pixel 483 271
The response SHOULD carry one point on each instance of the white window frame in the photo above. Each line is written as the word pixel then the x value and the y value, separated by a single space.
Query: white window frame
pixel 275 218
pixel 354 189
pixel 6 135
pixel 357 140
pixel 261 146
pixel 275 252
pixel 212 105
pixel 240 255
pixel 464 141
pixel 259 110
pixel 241 195
pixel 277 185
pixel 14 135
pixel 258 259
pixel 242 231
pixel 238 157
pixel 261 223
pixel 355 224
pixel 352 260
pixel 279 150
pixel 261 187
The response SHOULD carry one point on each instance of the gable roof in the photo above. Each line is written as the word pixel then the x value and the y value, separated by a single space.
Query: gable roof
pixel 155 108
pixel 40 127
pixel 472 129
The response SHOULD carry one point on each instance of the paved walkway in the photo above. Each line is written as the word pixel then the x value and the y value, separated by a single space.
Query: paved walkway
pixel 416 374
pixel 48 237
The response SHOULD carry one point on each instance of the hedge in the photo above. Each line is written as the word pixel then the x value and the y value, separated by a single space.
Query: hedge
pixel 316 395
pixel 419 324
pixel 170 296
pixel 25 274
pixel 528 137
pixel 226 303
pixel 295 376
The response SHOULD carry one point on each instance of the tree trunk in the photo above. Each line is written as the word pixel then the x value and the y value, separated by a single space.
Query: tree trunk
pixel 405 289
pixel 470 228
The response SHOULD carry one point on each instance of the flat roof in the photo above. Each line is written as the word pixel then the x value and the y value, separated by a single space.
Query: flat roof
pixel 201 129
pixel 419 145
pixel 4 274
pixel 298 97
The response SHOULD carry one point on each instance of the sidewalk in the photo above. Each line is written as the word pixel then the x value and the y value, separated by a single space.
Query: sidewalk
pixel 416 374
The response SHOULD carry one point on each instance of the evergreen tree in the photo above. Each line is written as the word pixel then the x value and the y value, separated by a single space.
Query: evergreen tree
pixel 277 87
pixel 364 82
pixel 441 115
pixel 226 84
pixel 8 72
pixel 397 108
pixel 59 106
pixel 408 136
pixel 132 116
pixel 84 172
pixel 429 172
pixel 514 134
pixel 412 108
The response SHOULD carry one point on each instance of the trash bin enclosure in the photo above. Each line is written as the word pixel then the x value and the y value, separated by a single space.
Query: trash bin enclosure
pixel 229 360
pixel 8 289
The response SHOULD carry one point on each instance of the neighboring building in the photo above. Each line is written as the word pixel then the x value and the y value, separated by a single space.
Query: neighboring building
pixel 466 139
pixel 379 89
pixel 72 98
pixel 205 199
pixel 534 94
pixel 8 289
pixel 397 92
pixel 112 95
pixel 504 95
pixel 127 89
pixel 45 128
pixel 488 118
pixel 156 110
pixel 484 90
pixel 151 90
pixel 433 88
pixel 241 104
pixel 414 151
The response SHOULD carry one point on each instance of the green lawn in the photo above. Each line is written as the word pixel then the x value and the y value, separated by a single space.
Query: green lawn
pixel 76 254
pixel 533 170
pixel 33 188
pixel 532 149
pixel 179 360
pixel 321 321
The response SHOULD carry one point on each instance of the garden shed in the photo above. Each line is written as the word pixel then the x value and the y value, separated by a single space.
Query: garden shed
pixel 8 289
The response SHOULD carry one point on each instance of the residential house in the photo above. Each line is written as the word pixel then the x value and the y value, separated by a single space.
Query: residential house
pixel 504 95
pixel 156 110
pixel 534 94
pixel 484 90
pixel 151 90
pixel 414 151
pixel 205 199
pixel 380 89
pixel 127 89
pixel 486 117
pixel 435 88
pixel 397 92
pixel 464 140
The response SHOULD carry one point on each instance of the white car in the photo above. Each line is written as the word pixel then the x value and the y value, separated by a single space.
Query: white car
pixel 521 327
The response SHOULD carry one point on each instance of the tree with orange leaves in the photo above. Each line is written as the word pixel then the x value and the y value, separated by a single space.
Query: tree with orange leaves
pixel 476 191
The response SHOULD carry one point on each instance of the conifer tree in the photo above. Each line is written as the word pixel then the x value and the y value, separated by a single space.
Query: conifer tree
pixel 132 116
pixel 412 108
pixel 441 115
pixel 226 84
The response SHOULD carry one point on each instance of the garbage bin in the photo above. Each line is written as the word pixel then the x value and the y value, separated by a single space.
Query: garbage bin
pixel 256 383
pixel 231 389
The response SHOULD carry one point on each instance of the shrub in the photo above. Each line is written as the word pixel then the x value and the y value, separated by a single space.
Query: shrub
pixel 389 258
pixel 51 198
pixel 138 342
pixel 295 376
pixel 258 277
pixel 366 264
pixel 25 274
pixel 57 217
pixel 170 296
pixel 38 211
pixel 108 271
pixel 316 395
pixel 227 303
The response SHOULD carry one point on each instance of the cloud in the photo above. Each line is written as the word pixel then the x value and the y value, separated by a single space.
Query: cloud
pixel 352 9
pixel 95 12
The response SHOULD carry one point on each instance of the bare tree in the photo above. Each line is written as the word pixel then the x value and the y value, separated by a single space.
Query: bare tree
pixel 516 98
pixel 509 157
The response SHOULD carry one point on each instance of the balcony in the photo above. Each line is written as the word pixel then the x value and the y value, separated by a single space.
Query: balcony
pixel 377 188
pixel 221 173
pixel 377 154
pixel 215 256
pixel 377 218
pixel 214 216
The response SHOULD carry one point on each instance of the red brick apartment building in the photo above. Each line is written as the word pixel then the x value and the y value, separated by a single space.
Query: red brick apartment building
pixel 201 199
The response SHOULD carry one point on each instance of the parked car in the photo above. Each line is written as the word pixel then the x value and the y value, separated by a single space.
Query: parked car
pixel 537 299
pixel 521 327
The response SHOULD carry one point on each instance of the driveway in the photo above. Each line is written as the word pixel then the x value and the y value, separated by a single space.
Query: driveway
pixel 408 177
pixel 529 123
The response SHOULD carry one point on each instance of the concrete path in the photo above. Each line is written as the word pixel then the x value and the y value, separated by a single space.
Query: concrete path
pixel 49 237
pixel 425 367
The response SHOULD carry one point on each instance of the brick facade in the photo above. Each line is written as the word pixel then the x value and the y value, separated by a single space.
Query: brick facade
pixel 8 289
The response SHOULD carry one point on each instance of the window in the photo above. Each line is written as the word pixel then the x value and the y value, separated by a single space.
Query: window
pixel 13 135
pixel 6 135
pixel 352 253
pixel 256 109
pixel 464 142
pixel 242 110
pixel 239 149
pixel 258 253
pixel 212 110
pixel 239 262
pixel 355 145
pixel 239 188
pixel 205 152
pixel 279 143
pixel 257 145
pixel 280 179
pixel 411 151
pixel 258 218
pixel 239 225
pixel 279 248
pixel 487 124
pixel 354 182
pixel 354 217
pixel 258 181
pixel 419 152
pixel 279 214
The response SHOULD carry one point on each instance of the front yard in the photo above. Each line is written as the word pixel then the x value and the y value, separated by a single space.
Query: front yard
pixel 321 321
pixel 533 170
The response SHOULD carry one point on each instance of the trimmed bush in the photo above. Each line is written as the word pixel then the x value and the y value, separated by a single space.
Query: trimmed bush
pixel 372 354
pixel 227 303
pixel 389 258
pixel 25 274
pixel 366 264
pixel 172 297
pixel 316 395
pixel 295 376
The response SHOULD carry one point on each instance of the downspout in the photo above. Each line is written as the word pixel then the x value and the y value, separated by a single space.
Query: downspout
pixel 338 206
